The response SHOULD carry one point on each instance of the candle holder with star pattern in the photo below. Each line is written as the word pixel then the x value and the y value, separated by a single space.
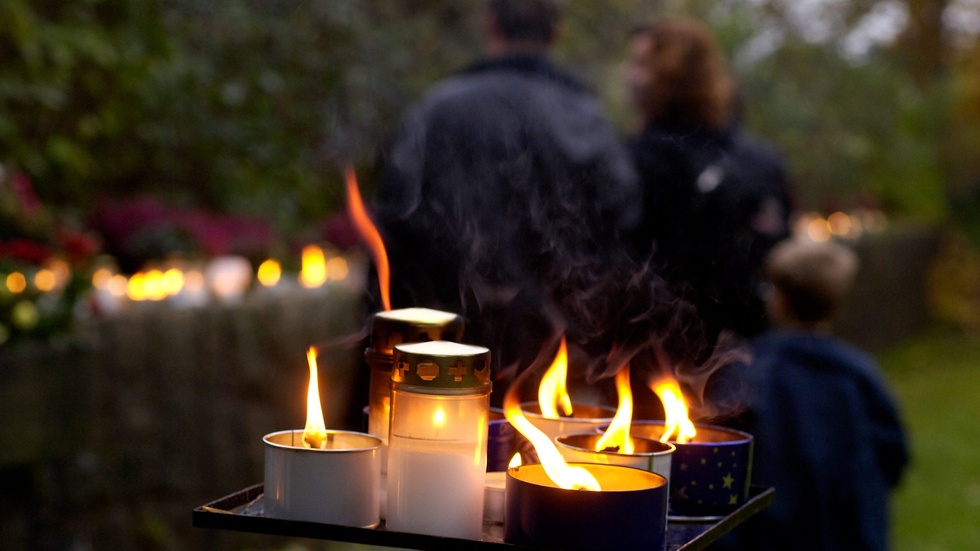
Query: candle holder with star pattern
pixel 710 475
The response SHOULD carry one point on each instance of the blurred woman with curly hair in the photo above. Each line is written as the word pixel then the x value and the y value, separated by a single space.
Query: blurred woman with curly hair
pixel 715 199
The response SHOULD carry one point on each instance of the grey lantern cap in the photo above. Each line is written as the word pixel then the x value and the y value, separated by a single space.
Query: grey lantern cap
pixel 442 365
pixel 394 327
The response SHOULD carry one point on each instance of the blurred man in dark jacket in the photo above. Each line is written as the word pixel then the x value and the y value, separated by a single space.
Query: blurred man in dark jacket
pixel 505 189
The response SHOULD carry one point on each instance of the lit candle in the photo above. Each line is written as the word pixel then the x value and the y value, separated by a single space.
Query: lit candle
pixel 629 513
pixel 553 396
pixel 712 466
pixel 710 474
pixel 322 475
pixel 440 402
pixel 387 330
pixel 647 454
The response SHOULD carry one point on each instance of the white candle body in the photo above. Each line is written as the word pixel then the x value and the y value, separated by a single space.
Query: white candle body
pixel 335 485
pixel 435 487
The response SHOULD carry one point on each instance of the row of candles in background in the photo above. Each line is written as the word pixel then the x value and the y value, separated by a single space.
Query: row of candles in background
pixel 424 468
pixel 229 277
pixel 184 283
pixel 225 279
pixel 839 225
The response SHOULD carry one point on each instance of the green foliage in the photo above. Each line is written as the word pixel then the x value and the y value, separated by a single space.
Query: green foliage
pixel 954 285
pixel 852 130
pixel 252 105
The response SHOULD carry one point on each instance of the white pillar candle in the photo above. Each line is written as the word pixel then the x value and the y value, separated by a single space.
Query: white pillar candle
pixel 435 488
pixel 437 444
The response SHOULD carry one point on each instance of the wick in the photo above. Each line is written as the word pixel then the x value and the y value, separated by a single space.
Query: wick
pixel 314 441
pixel 613 449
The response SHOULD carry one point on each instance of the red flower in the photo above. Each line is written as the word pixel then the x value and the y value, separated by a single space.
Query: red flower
pixel 26 250
pixel 79 246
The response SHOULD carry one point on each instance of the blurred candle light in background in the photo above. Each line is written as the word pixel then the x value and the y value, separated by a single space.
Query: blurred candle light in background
pixel 269 273
pixel 193 292
pixel 228 277
pixel 45 280
pixel 172 281
pixel 153 287
pixel 136 287
pixel 313 274
pixel 16 282
pixel 337 268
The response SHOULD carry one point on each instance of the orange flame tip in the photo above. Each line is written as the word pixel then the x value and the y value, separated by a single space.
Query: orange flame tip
pixel 676 412
pixel 553 390
pixel 617 436
pixel 561 473
pixel 369 232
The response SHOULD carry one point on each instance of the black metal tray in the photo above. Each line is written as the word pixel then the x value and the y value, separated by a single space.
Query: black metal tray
pixel 243 511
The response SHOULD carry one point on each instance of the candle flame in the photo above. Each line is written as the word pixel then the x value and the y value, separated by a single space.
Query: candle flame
pixel 515 461
pixel 678 423
pixel 439 418
pixel 369 232
pixel 316 431
pixel 553 391
pixel 617 436
pixel 561 473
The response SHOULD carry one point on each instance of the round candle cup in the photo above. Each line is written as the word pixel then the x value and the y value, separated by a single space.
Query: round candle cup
pixel 710 476
pixel 630 513
pixel 338 484
pixel 648 455
pixel 586 418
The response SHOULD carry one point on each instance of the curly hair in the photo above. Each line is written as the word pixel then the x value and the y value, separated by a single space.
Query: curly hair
pixel 691 80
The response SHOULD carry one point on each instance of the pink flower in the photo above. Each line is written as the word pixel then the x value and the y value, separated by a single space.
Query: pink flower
pixel 21 184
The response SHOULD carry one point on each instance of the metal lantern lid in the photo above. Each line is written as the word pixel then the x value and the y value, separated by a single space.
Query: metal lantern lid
pixel 405 325
pixel 442 366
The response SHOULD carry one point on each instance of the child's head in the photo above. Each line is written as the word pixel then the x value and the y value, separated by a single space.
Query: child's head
pixel 810 281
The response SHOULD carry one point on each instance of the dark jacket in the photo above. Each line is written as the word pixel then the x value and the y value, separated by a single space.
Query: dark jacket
pixel 828 437
pixel 715 202
pixel 502 188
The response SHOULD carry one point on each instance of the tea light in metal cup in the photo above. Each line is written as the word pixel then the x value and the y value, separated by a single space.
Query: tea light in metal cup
pixel 648 455
pixel 337 483
pixel 629 513
pixel 710 475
